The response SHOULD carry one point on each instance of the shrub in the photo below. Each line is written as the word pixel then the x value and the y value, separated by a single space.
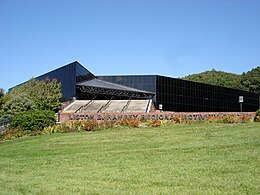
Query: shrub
pixel 107 124
pixel 212 119
pixel 89 125
pixel 176 119
pixel 33 120
pixel 257 116
pixel 58 128
pixel 17 105
pixel 234 119
pixel 128 122
pixel 229 119
pixel 245 119
pixel 11 134
pixel 154 123
pixel 78 126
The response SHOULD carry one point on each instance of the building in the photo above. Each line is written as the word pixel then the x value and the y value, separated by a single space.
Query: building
pixel 68 76
pixel 168 94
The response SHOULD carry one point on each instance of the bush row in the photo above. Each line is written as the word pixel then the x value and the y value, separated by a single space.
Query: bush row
pixel 230 119
pixel 43 122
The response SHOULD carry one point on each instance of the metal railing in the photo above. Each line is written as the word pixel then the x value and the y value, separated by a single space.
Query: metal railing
pixel 126 106
pixel 85 107
pixel 105 106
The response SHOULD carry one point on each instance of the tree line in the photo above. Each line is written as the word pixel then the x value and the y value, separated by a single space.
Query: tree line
pixel 249 81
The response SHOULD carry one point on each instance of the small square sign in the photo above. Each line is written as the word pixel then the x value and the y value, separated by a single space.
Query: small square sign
pixel 241 99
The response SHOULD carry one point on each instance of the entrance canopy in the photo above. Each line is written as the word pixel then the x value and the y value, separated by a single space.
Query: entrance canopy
pixel 96 86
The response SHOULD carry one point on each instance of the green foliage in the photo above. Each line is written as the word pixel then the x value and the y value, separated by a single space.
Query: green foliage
pixel 1 92
pixel 33 120
pixel 17 105
pixel 80 125
pixel 35 126
pixel 1 101
pixel 11 134
pixel 1 97
pixel 47 95
pixel 251 80
pixel 229 119
pixel 257 116
pixel 34 94
pixel 218 78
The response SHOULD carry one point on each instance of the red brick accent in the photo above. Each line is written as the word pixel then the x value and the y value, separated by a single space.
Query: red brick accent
pixel 64 117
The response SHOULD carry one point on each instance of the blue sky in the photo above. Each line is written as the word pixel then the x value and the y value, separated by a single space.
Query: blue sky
pixel 166 37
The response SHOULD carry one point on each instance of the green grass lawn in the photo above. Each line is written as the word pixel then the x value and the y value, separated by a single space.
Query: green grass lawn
pixel 176 159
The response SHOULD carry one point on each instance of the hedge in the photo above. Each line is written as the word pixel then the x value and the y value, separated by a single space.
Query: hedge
pixel 33 120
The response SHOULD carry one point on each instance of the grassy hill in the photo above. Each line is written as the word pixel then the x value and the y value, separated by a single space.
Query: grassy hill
pixel 173 159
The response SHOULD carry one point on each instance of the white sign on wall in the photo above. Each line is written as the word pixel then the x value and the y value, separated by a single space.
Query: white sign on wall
pixel 241 99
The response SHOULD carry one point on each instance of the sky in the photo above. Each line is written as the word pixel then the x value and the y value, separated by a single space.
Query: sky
pixel 113 37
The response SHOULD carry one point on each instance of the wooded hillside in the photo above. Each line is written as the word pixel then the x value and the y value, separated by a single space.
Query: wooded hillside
pixel 249 81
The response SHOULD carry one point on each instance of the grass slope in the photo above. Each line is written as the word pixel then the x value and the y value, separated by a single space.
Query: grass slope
pixel 182 159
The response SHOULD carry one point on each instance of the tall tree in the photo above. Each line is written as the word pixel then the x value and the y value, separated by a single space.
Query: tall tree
pixel 47 95
pixel 251 80
pixel 34 94
pixel 16 105
pixel 1 100
pixel 1 92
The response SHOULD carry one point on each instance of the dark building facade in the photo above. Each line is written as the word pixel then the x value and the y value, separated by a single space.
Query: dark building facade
pixel 68 76
pixel 170 94
pixel 187 96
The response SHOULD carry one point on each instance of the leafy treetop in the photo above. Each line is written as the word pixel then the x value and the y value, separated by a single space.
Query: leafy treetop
pixel 251 80
pixel 34 94
pixel 1 98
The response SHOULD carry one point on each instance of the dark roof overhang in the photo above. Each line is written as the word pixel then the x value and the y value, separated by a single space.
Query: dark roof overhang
pixel 97 86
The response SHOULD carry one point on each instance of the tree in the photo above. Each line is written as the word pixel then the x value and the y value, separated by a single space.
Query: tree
pixel 33 95
pixel 1 98
pixel 1 92
pixel 1 101
pixel 47 95
pixel 251 80
pixel 17 105
pixel 218 78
